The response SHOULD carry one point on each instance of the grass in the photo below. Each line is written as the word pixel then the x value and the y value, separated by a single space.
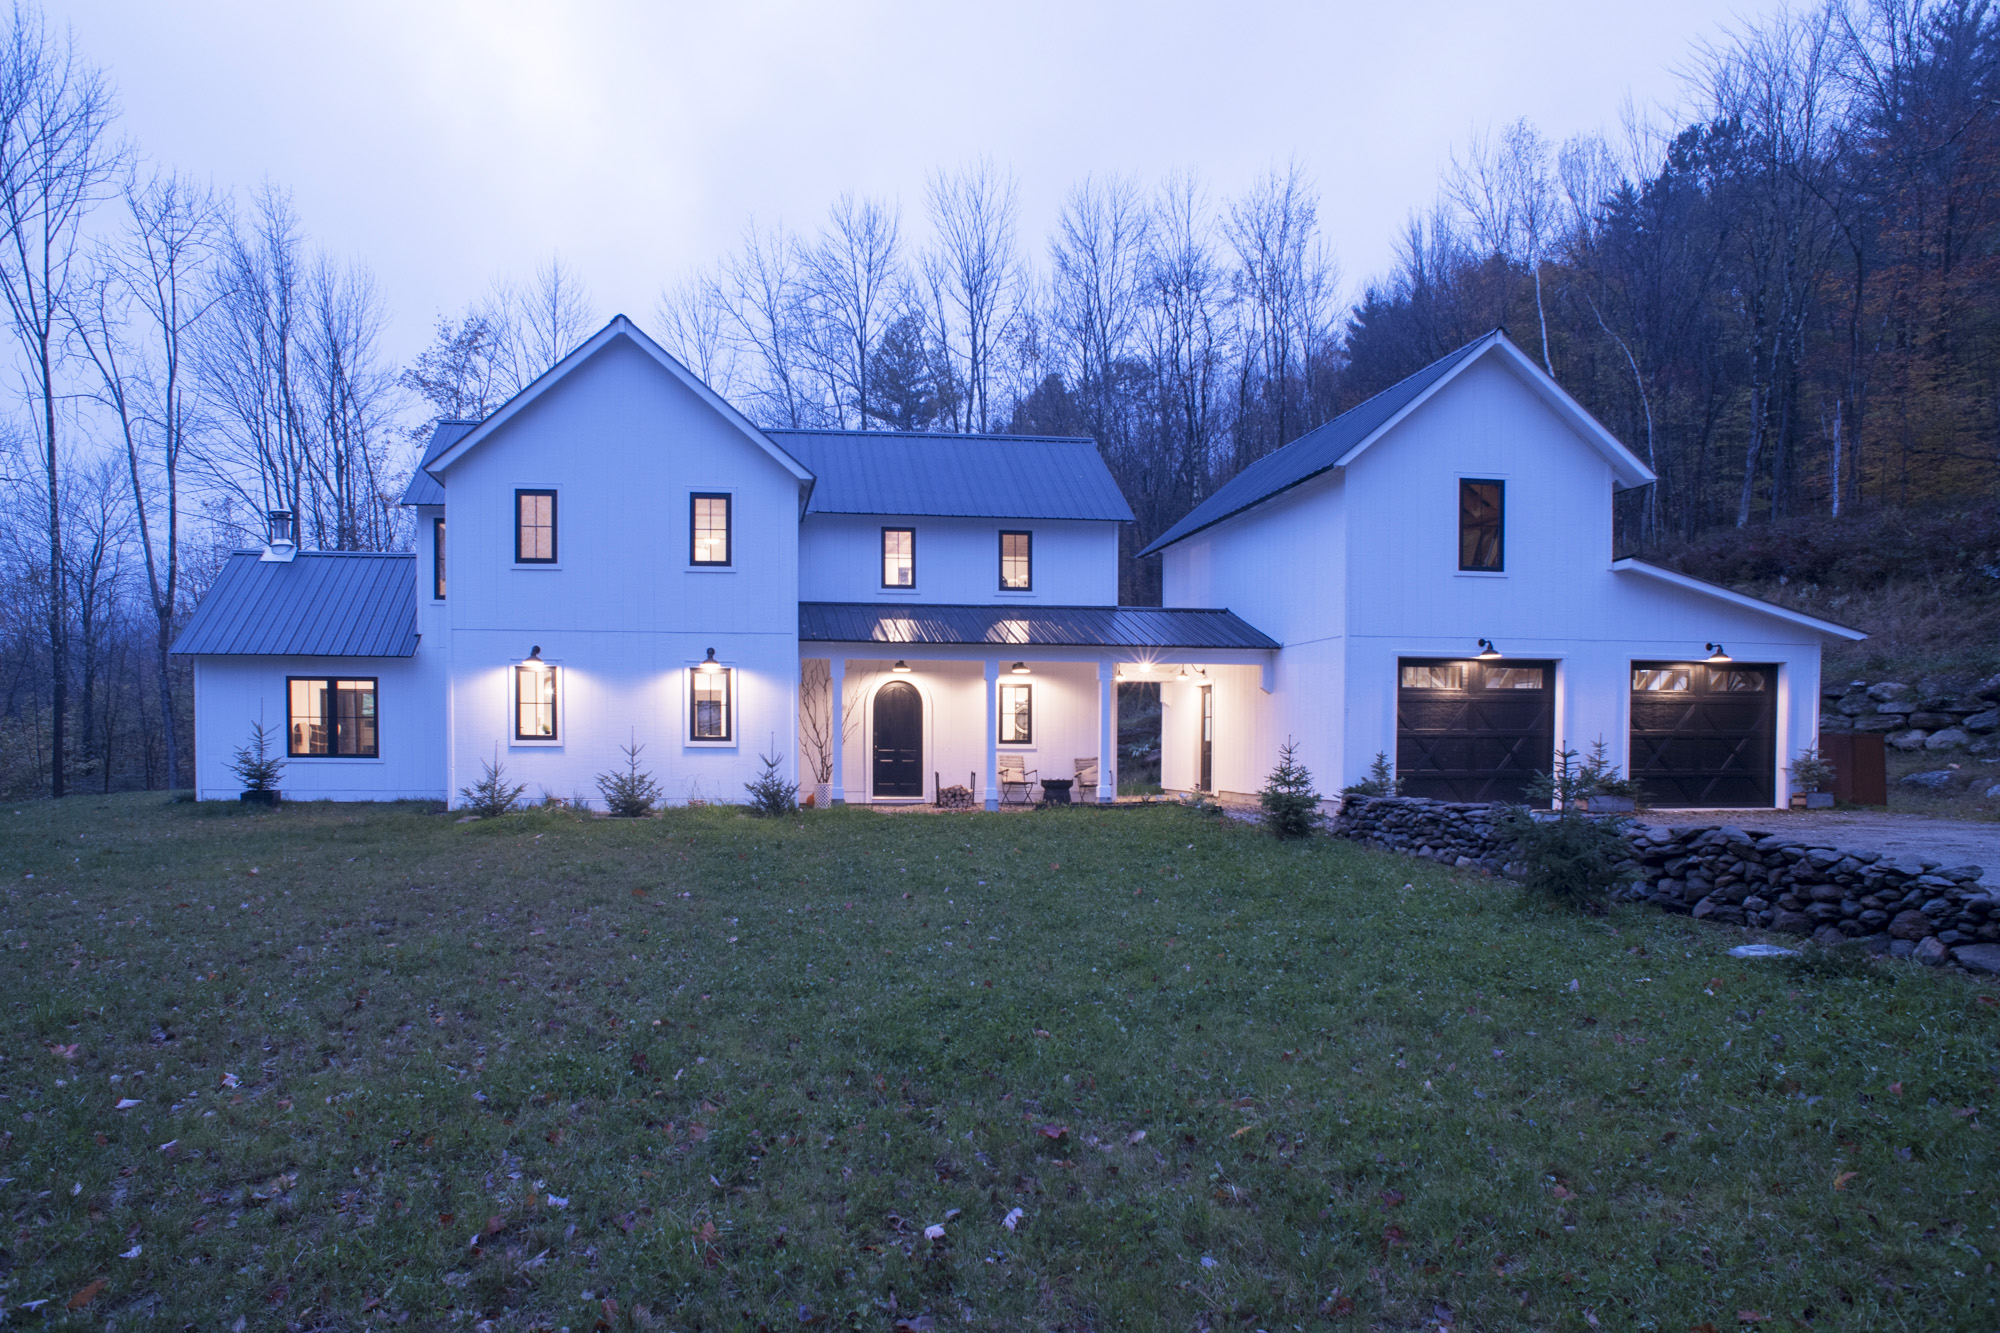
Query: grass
pixel 1226 1083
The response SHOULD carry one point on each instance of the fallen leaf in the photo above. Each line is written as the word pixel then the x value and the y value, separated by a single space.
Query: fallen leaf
pixel 1054 1131
pixel 1840 1181
pixel 1391 1198
pixel 1704 1327
pixel 65 1052
pixel 132 1253
pixel 231 1081
pixel 1013 1219
pixel 1895 1089
pixel 87 1295
pixel 1041 1032
pixel 1339 1305
pixel 1590 1317
pixel 934 1232
pixel 1137 1136
pixel 558 1201
pixel 1750 1317
pixel 126 1103
pixel 1562 1193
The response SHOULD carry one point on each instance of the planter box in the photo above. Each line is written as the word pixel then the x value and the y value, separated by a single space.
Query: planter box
pixel 1812 800
pixel 1607 805
pixel 264 798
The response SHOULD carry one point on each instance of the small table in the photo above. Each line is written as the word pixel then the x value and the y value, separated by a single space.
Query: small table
pixel 1055 791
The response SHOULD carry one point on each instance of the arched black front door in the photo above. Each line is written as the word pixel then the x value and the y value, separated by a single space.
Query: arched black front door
pixel 899 740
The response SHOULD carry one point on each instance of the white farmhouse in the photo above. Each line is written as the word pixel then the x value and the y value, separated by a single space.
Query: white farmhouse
pixel 619 558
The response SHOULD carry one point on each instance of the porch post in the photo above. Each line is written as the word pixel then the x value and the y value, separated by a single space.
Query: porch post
pixel 836 681
pixel 992 733
pixel 1107 730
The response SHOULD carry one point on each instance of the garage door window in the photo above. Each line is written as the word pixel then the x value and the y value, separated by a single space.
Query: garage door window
pixel 1662 680
pixel 1513 678
pixel 1439 676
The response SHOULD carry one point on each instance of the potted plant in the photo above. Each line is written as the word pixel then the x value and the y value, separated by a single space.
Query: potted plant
pixel 1602 790
pixel 258 768
pixel 1812 776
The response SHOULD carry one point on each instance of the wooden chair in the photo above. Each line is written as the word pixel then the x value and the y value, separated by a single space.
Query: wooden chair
pixel 1018 784
pixel 1085 791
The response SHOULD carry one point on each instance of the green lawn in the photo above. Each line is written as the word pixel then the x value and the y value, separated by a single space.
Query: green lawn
pixel 713 1072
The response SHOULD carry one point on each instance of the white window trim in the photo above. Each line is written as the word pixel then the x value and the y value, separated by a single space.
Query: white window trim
pixel 687 533
pixel 515 742
pixel 735 741
pixel 1507 481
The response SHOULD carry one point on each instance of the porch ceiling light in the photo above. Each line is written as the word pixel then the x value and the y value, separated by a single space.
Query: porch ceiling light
pixel 1019 668
pixel 709 666
pixel 901 668
pixel 1716 653
pixel 1487 652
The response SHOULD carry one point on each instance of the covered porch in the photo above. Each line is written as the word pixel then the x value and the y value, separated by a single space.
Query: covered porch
pixel 900 702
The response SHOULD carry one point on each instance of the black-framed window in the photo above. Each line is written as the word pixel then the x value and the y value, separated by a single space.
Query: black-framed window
pixel 537 687
pixel 710 704
pixel 1017 714
pixel 437 558
pixel 1481 531
pixel 534 527
pixel 1017 561
pixel 899 557
pixel 331 717
pixel 708 529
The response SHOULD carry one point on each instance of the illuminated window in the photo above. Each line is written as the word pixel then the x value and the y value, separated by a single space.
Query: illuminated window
pixel 1436 676
pixel 1479 525
pixel 1017 572
pixel 1513 678
pixel 437 558
pixel 1663 680
pixel 332 718
pixel 709 703
pixel 535 527
pixel 534 701
pixel 708 522
pixel 899 558
pixel 1017 714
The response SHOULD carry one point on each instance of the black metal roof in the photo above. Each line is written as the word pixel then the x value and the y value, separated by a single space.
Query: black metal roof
pixel 1312 453
pixel 1027 626
pixel 955 476
pixel 424 489
pixel 317 604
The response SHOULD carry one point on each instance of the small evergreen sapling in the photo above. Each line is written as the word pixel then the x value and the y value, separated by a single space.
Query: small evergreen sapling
pixel 1291 806
pixel 256 765
pixel 631 794
pixel 492 796
pixel 1567 856
pixel 1381 779
pixel 770 794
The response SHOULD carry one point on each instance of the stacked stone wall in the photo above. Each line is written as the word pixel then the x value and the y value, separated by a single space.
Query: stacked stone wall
pixel 1900 905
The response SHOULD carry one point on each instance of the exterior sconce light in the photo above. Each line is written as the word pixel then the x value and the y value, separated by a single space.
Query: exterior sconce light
pixel 535 656
pixel 1716 653
pixel 709 666
pixel 1487 652
pixel 1019 668
pixel 901 668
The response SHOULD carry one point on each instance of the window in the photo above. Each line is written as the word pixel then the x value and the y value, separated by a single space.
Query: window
pixel 437 558
pixel 1662 680
pixel 1479 532
pixel 1513 678
pixel 534 701
pixel 1440 676
pixel 331 718
pixel 1017 714
pixel 708 711
pixel 1017 571
pixel 534 527
pixel 708 528
pixel 1735 682
pixel 899 557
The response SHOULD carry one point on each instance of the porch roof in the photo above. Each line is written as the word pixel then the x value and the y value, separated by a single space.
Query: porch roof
pixel 1028 626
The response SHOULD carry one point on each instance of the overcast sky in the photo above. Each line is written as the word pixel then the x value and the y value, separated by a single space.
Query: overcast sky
pixel 447 144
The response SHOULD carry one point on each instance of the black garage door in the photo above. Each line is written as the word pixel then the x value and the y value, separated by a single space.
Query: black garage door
pixel 1704 735
pixel 1472 730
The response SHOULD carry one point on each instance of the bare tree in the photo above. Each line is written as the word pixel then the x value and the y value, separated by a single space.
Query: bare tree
pixel 1285 286
pixel 974 277
pixel 1096 285
pixel 1505 188
pixel 763 292
pixel 543 322
pixel 55 162
pixel 694 326
pixel 851 274
pixel 461 375
pixel 136 326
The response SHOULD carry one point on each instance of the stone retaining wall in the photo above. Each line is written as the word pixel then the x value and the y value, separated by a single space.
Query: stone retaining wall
pixel 1900 905
pixel 1942 713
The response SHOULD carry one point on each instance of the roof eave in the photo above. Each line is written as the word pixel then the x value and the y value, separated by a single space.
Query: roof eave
pixel 1742 600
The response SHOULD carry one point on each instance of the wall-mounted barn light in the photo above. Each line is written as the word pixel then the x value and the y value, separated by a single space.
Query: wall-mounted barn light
pixel 1019 668
pixel 1716 653
pixel 709 666
pixel 901 668
pixel 1487 652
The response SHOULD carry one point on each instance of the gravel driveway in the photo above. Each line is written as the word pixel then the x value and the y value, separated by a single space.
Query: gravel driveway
pixel 1954 842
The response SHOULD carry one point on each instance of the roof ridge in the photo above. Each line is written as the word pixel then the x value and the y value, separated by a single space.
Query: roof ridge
pixel 932 435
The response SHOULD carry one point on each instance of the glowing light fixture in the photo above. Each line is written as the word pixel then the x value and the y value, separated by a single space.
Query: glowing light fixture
pixel 709 666
pixel 901 668
pixel 1019 668
pixel 1716 653
pixel 1487 652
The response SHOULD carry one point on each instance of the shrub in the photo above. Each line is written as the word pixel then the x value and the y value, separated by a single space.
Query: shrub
pixel 770 794
pixel 1600 776
pixel 1812 772
pixel 1381 779
pixel 491 795
pixel 631 794
pixel 1566 856
pixel 255 764
pixel 1291 806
